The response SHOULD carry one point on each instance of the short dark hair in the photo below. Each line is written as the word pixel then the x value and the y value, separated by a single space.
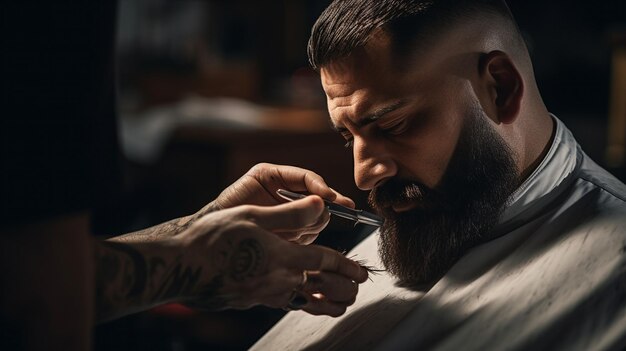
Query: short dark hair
pixel 346 25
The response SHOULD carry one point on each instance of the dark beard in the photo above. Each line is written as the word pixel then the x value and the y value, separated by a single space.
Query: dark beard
pixel 418 246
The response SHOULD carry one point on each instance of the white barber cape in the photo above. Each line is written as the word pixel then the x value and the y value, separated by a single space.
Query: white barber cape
pixel 552 278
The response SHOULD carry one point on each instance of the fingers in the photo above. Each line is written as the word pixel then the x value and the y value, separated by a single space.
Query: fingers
pixel 296 215
pixel 299 180
pixel 307 235
pixel 305 239
pixel 274 289
pixel 343 200
pixel 322 306
pixel 325 294
pixel 319 258
pixel 332 287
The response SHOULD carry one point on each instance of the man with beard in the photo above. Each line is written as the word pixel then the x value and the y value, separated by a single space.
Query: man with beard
pixel 480 177
pixel 499 232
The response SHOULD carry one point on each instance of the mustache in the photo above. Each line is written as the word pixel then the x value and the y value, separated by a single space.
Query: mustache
pixel 397 190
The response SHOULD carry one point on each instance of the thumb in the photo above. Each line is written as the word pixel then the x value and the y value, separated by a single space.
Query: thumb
pixel 291 215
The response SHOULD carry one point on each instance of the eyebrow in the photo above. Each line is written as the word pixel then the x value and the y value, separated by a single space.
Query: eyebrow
pixel 372 117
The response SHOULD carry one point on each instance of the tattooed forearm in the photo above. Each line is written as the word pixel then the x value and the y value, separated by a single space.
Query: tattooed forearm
pixel 132 276
pixel 120 279
pixel 178 281
pixel 157 232
pixel 134 269
pixel 167 229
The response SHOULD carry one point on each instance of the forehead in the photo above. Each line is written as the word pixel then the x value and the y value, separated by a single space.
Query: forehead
pixel 368 67
pixel 370 78
pixel 362 87
pixel 373 72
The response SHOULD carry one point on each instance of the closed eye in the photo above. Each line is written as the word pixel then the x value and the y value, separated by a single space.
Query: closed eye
pixel 396 127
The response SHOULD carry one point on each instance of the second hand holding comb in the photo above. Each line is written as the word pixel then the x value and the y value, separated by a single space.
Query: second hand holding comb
pixel 359 216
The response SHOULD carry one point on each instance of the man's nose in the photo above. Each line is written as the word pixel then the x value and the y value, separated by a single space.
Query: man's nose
pixel 372 164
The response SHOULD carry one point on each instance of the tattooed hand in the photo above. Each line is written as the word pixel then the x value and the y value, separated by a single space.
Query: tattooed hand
pixel 258 187
pixel 247 264
pixel 229 255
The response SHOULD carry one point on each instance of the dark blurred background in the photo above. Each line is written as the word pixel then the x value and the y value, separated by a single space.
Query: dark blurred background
pixel 207 89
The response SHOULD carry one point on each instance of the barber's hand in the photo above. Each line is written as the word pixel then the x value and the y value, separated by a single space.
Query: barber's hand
pixel 258 187
pixel 243 263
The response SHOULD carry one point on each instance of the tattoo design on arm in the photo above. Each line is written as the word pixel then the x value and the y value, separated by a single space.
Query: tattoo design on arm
pixel 167 229
pixel 178 281
pixel 134 276
pixel 127 281
pixel 120 279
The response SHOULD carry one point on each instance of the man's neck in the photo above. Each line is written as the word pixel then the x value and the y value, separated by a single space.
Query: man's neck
pixel 538 144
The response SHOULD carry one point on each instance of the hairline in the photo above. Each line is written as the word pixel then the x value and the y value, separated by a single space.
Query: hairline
pixel 450 19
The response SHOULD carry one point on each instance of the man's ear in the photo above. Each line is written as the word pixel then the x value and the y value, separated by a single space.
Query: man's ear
pixel 504 86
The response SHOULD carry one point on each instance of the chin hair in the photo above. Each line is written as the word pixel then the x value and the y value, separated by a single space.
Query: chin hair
pixel 420 245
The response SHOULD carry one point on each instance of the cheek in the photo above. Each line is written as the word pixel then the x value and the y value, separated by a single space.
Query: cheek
pixel 430 146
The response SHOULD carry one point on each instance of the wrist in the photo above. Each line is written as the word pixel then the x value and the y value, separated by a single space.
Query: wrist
pixel 201 264
pixel 211 207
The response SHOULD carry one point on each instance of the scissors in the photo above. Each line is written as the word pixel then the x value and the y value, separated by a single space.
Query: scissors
pixel 359 216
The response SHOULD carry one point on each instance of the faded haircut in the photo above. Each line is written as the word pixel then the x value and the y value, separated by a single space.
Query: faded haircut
pixel 346 25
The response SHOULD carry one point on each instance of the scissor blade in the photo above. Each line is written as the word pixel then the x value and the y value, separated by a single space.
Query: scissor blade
pixel 358 216
pixel 342 211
